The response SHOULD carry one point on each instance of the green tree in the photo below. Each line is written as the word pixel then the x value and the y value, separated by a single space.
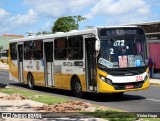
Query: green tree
pixel 43 32
pixel 78 19
pixel 65 24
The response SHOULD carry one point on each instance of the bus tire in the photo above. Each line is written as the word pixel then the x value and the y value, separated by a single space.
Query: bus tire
pixel 77 87
pixel 30 81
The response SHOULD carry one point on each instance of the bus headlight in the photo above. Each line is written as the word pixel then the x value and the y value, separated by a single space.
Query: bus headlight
pixel 109 81
pixel 145 78
pixel 102 78
pixel 106 80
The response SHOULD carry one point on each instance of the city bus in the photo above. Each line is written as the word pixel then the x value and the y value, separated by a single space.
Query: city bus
pixel 98 60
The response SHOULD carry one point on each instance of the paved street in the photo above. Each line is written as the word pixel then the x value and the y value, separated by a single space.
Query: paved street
pixel 137 101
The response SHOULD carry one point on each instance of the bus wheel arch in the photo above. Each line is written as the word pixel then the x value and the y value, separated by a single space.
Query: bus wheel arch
pixel 30 80
pixel 76 86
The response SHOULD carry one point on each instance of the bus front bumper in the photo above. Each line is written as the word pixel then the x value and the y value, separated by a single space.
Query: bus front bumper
pixel 103 87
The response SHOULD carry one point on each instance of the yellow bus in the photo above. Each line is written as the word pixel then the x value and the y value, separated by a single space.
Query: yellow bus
pixel 100 60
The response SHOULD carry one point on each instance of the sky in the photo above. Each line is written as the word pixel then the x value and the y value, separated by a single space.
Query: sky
pixel 23 16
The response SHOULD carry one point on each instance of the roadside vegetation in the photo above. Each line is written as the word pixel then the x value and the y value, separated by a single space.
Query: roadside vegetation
pixel 113 115
pixel 43 98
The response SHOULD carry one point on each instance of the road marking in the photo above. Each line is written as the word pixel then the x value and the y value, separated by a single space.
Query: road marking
pixel 153 100
pixel 5 73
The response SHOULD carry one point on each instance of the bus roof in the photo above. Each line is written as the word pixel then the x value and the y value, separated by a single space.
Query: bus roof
pixel 58 34
pixel 70 33
pixel 116 26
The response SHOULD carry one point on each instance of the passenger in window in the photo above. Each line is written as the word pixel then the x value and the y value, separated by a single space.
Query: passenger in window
pixel 150 64
pixel 124 51
pixel 71 54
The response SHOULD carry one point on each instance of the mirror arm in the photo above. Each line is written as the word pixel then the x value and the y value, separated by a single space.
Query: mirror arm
pixel 97 44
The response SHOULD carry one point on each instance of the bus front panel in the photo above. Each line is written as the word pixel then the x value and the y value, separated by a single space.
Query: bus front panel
pixel 122 60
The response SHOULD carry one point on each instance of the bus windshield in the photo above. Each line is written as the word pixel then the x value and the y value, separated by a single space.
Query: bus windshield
pixel 122 52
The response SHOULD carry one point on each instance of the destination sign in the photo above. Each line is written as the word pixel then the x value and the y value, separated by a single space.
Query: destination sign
pixel 120 31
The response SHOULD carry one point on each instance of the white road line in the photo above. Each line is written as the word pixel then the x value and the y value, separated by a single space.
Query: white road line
pixel 3 73
pixel 153 100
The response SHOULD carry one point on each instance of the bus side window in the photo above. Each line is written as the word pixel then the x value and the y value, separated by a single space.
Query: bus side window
pixel 75 48
pixel 60 49
pixel 13 51
pixel 28 50
pixel 38 49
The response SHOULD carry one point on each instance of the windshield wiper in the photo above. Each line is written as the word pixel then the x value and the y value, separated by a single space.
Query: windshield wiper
pixel 101 66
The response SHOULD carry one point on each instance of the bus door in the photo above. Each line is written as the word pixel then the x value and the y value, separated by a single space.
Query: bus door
pixel 91 70
pixel 48 59
pixel 20 62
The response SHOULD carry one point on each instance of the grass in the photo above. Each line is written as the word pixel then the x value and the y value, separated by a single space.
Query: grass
pixel 114 115
pixel 151 119
pixel 47 99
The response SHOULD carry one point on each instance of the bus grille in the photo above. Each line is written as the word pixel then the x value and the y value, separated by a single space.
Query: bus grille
pixel 126 72
pixel 122 86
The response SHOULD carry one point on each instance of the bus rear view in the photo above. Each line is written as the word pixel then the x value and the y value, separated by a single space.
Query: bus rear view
pixel 122 60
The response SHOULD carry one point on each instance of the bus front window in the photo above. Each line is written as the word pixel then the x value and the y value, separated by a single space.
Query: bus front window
pixel 130 51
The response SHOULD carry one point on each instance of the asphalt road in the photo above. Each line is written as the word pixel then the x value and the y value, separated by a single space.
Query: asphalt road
pixel 137 101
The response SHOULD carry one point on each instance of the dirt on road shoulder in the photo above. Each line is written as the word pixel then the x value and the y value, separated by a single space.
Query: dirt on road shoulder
pixel 13 97
pixel 69 106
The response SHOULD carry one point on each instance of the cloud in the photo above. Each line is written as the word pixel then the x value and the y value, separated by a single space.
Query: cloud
pixel 143 10
pixel 24 19
pixel 120 11
pixel 3 12
pixel 17 22
pixel 42 13
pixel 113 7
pixel 3 15
pixel 57 8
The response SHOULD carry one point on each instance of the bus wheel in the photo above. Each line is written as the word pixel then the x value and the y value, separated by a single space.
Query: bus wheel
pixel 30 81
pixel 77 87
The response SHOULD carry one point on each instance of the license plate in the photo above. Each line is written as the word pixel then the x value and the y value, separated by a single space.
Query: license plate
pixel 129 86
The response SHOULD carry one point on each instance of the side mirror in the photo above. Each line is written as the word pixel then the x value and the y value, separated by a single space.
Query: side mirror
pixel 97 44
pixel 146 61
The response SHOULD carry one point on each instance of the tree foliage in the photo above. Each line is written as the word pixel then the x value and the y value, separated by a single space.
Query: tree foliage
pixel 43 32
pixel 78 19
pixel 65 24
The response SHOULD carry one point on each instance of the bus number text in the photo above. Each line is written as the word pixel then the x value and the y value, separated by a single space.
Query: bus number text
pixel 139 78
pixel 119 43
pixel 68 64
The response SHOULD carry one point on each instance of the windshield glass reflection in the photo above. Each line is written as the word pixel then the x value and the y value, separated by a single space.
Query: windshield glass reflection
pixel 123 52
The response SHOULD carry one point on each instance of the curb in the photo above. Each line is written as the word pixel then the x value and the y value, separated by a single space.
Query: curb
pixel 154 83
pixel 4 68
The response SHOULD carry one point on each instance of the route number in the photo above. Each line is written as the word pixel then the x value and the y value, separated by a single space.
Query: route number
pixel 111 51
pixel 119 43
